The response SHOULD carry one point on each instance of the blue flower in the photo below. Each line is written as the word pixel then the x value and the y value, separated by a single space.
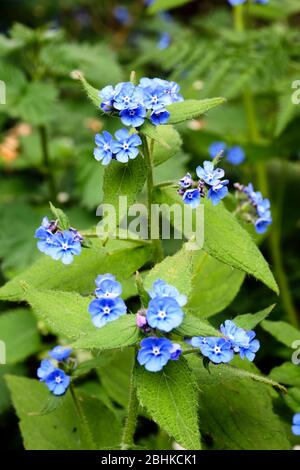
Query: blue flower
pixel 164 313
pixel 155 98
pixel 104 277
pixel 186 181
pixel 125 147
pixel 216 349
pixel 164 41
pixel 263 208
pixel 296 424
pixel 122 15
pixel 208 174
pixel 108 288
pixel 217 192
pixel 215 148
pixel 58 382
pixel 46 240
pixel 236 2
pixel 242 341
pixel 107 95
pixel 236 155
pixel 45 369
pixel 134 117
pixel 105 310
pixel 161 289
pixel 159 117
pixel 262 224
pixel 154 353
pixel 176 351
pixel 103 150
pixel 65 247
pixel 60 353
pixel 192 198
pixel 171 89
pixel 127 96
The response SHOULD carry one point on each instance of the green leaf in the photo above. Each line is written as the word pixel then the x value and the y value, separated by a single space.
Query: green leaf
pixel 92 93
pixel 215 285
pixel 287 373
pixel 248 321
pixel 170 398
pixel 191 109
pixel 192 326
pixel 176 270
pixel 162 5
pixel 226 240
pixel 117 334
pixel 19 332
pixel 282 331
pixel 153 132
pixel 63 220
pixel 64 313
pixel 162 153
pixel 61 429
pixel 236 413
pixel 49 274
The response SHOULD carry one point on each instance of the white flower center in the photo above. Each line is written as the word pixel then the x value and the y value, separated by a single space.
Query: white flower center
pixel 106 309
pixel 65 246
pixel 156 351
pixel 154 99
pixel 58 380
pixel 217 349
pixel 162 314
pixel 106 147
pixel 125 146
pixel 126 99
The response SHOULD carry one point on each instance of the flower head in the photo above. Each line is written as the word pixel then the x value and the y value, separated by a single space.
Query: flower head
pixel 60 353
pixel 133 117
pixel 46 240
pixel 126 145
pixel 161 289
pixel 159 117
pixel 103 277
pixel 105 310
pixel 164 313
pixel 45 369
pixel 103 152
pixel 192 198
pixel 186 181
pixel 262 224
pixel 164 40
pixel 154 353
pixel 216 349
pixel 58 382
pixel 108 288
pixel 242 341
pixel 65 247
pixel 122 15
pixel 216 148
pixel 218 191
pixel 107 95
pixel 127 96
pixel 236 155
pixel 296 424
pixel 154 97
pixel 176 351
pixel 209 174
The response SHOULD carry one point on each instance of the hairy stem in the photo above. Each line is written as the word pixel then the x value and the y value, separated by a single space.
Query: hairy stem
pixel 46 161
pixel 156 243
pixel 132 415
pixel 87 433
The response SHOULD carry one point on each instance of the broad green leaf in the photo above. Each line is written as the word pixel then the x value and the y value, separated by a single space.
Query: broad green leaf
pixel 64 313
pixel 292 399
pixel 248 321
pixel 192 326
pixel 63 220
pixel 161 5
pixel 236 413
pixel 115 376
pixel 114 335
pixel 92 93
pixel 19 332
pixel 176 270
pixel 172 138
pixel 16 369
pixel 191 109
pixel 215 285
pixel 287 373
pixel 170 398
pixel 49 274
pixel 282 331
pixel 226 240
pixel 153 132
pixel 61 429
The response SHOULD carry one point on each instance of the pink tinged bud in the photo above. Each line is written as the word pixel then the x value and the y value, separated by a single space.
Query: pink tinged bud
pixel 141 320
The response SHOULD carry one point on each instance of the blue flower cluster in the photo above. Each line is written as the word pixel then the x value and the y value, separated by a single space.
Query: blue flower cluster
pixel 260 208
pixel 164 313
pixel 107 306
pixel 296 424
pixel 210 182
pixel 240 2
pixel 123 148
pixel 60 245
pixel 133 103
pixel 234 155
pixel 222 349
pixel 55 377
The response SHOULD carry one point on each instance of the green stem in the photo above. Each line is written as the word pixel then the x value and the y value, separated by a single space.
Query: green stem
pixel 132 415
pixel 263 185
pixel 86 432
pixel 131 240
pixel 46 161
pixel 156 243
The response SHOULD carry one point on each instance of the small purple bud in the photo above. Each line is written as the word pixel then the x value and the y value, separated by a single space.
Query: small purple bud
pixel 141 320
pixel 175 351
